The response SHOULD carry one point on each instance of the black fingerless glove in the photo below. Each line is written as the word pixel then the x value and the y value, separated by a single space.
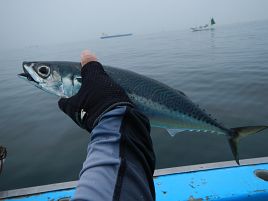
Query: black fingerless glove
pixel 98 94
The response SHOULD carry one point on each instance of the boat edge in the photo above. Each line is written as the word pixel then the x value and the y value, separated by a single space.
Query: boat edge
pixel 160 172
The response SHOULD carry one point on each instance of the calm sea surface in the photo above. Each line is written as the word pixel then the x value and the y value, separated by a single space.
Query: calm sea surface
pixel 225 71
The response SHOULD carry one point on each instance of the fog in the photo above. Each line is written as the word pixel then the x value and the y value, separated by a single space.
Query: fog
pixel 36 22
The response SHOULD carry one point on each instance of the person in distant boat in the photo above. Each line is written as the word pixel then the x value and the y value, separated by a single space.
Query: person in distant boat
pixel 120 158
pixel 3 154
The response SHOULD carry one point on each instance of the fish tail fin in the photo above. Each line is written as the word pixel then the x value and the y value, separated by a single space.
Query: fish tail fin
pixel 239 133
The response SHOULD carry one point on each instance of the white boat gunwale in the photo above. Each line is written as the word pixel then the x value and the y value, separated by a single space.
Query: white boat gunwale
pixel 160 172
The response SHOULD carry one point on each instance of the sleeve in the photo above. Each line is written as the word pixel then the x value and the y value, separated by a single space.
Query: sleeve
pixel 120 159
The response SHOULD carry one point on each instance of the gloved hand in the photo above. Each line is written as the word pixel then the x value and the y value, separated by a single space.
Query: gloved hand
pixel 98 94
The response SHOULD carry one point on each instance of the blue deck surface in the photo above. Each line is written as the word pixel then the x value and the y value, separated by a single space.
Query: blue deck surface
pixel 238 183
pixel 234 183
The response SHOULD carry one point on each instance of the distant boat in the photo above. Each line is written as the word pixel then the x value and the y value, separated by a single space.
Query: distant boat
pixel 104 36
pixel 205 27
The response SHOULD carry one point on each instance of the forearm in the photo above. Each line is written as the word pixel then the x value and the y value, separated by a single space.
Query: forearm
pixel 120 160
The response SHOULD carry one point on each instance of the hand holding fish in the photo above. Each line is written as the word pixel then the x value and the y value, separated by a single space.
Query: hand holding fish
pixel 121 144
pixel 98 94
pixel 86 57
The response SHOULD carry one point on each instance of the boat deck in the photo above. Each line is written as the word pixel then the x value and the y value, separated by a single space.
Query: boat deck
pixel 212 181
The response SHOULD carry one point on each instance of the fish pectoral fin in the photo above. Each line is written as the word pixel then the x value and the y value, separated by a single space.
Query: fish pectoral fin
pixel 79 79
pixel 174 131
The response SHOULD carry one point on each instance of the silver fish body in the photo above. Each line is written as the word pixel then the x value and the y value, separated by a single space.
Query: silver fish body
pixel 166 107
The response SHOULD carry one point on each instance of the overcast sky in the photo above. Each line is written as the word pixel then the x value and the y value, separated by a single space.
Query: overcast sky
pixel 30 22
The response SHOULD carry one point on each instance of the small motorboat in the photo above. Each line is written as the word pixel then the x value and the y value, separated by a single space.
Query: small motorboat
pixel 205 27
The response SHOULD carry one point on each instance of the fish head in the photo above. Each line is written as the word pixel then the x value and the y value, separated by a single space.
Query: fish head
pixel 57 78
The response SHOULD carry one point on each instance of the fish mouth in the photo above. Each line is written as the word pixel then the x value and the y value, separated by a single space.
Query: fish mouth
pixel 26 75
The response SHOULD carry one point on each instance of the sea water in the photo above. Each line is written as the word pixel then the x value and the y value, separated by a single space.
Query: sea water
pixel 224 70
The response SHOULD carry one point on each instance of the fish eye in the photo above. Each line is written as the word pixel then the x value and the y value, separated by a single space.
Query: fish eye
pixel 43 71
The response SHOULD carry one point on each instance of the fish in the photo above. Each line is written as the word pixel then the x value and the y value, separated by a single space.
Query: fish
pixel 165 106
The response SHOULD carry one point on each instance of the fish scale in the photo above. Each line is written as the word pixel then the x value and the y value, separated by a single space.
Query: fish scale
pixel 162 94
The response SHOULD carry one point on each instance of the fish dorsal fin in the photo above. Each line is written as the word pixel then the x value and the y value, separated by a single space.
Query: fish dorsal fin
pixel 174 131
